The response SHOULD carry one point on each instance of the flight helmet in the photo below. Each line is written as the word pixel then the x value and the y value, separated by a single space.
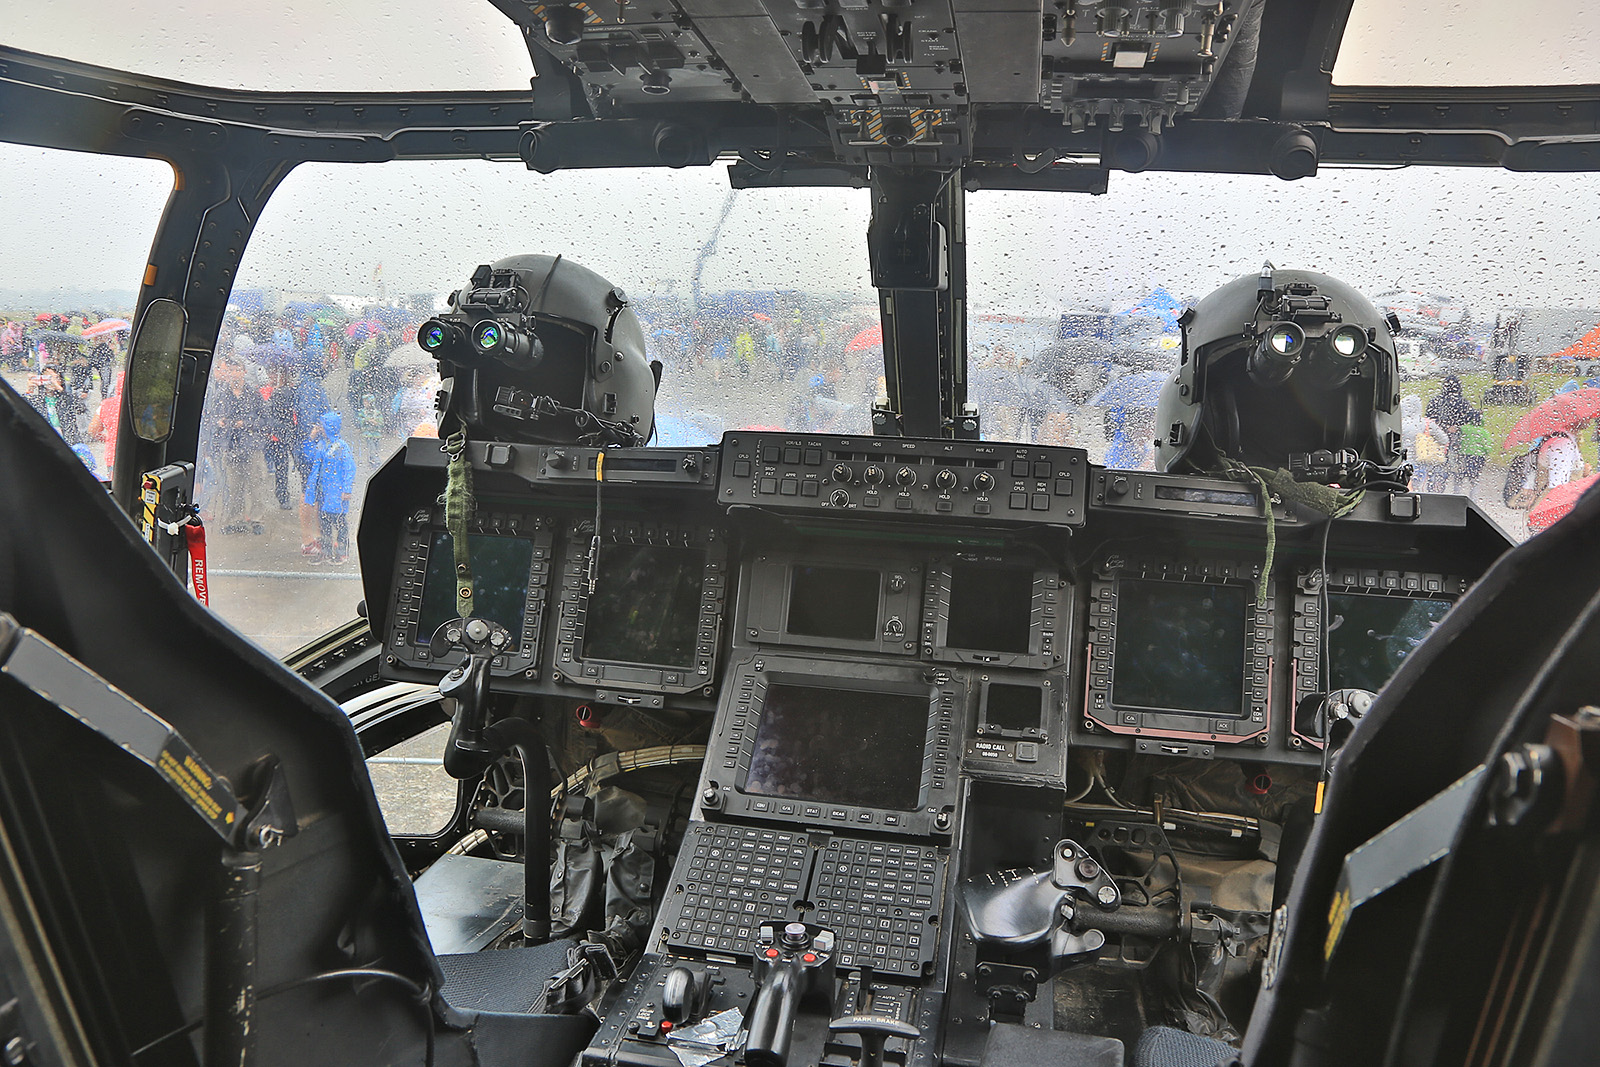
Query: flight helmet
pixel 1285 369
pixel 543 350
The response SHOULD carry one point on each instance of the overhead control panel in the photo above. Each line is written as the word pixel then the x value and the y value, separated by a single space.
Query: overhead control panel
pixel 905 478
pixel 893 82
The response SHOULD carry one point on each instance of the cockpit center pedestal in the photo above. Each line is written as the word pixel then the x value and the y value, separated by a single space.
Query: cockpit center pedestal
pixel 992 735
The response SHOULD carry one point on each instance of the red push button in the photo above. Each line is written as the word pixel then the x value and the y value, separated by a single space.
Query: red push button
pixel 772 953
pixel 809 957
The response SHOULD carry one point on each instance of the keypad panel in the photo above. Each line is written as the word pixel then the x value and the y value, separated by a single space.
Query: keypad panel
pixel 878 897
pixel 735 878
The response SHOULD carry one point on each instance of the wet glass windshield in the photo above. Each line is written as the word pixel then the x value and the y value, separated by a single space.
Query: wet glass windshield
pixel 758 304
pixel 1446 42
pixel 77 232
pixel 1072 317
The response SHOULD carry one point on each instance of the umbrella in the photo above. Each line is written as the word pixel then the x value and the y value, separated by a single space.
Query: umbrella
pixel 105 326
pixel 1557 502
pixel 1561 412
pixel 57 335
pixel 1137 390
pixel 871 337
pixel 761 317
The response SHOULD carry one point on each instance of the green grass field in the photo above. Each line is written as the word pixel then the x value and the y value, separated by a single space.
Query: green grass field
pixel 1498 419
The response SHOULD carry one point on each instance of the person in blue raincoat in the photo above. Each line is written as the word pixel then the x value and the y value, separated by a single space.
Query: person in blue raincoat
pixel 310 404
pixel 331 480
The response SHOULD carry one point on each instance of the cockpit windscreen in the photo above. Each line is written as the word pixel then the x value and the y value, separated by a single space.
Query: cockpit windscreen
pixel 499 581
pixel 840 746
pixel 1180 647
pixel 991 607
pixel 646 605
pixel 1368 636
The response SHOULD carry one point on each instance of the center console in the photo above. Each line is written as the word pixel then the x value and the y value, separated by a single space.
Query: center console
pixel 890 649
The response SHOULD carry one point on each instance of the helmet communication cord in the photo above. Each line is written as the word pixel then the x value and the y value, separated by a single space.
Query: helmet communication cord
pixel 458 508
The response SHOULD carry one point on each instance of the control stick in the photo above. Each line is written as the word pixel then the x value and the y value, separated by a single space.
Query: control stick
pixel 683 994
pixel 465 691
pixel 789 965
pixel 474 744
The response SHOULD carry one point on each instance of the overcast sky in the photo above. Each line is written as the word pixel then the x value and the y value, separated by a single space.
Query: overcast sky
pixel 1490 238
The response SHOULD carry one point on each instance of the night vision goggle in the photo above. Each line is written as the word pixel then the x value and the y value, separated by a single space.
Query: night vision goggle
pixel 1297 330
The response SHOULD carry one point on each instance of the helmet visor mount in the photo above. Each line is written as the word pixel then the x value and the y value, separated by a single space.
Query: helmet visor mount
pixel 1304 338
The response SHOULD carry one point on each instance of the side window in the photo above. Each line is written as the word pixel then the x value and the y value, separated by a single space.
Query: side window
pixel 78 233
pixel 415 794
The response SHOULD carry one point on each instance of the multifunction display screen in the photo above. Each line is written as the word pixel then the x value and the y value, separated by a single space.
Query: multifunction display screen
pixel 835 602
pixel 840 746
pixel 1369 636
pixel 499 581
pixel 645 607
pixel 991 607
pixel 1180 647
pixel 1015 708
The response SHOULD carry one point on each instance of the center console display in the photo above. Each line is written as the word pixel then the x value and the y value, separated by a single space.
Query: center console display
pixel 839 746
pixel 992 611
pixel 1179 649
pixel 846 745
pixel 652 620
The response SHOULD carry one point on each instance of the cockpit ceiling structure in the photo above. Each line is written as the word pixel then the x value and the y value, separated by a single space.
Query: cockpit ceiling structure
pixel 1046 96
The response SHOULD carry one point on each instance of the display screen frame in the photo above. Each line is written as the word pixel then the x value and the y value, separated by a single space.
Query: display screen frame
pixel 1345 579
pixel 587 649
pixel 731 747
pixel 573 662
pixel 990 726
pixel 1049 604
pixel 851 691
pixel 765 611
pixel 409 654
pixel 439 582
pixel 1197 732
